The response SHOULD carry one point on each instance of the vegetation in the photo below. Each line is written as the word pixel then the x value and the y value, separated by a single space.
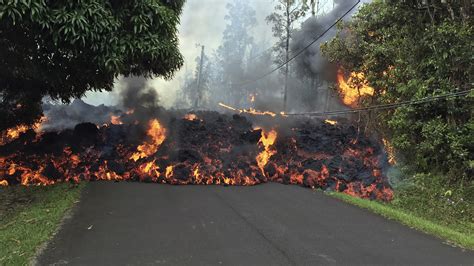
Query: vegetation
pixel 409 50
pixel 29 216
pixel 62 49
pixel 407 210
pixel 287 13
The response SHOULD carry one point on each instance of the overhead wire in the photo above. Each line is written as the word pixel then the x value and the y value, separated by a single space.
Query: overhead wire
pixel 300 51
pixel 384 106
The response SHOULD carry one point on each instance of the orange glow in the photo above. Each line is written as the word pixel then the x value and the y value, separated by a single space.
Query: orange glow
pixel 114 119
pixel 157 133
pixel 266 140
pixel 14 133
pixel 190 117
pixel 169 171
pixel 197 175
pixel 354 88
pixel 330 122
pixel 3 183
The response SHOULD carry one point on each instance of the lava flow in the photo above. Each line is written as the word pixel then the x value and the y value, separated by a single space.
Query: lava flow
pixel 203 148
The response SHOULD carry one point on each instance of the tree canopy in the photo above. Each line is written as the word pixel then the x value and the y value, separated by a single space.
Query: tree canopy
pixel 63 49
pixel 409 50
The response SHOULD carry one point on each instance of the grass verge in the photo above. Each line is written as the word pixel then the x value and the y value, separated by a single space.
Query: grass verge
pixel 454 234
pixel 29 216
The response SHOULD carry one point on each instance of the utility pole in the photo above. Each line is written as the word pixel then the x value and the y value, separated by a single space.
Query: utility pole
pixel 198 88
pixel 287 54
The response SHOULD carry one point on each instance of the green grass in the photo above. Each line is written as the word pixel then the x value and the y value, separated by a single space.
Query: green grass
pixel 455 233
pixel 29 216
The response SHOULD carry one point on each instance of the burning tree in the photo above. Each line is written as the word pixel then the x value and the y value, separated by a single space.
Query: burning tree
pixel 62 49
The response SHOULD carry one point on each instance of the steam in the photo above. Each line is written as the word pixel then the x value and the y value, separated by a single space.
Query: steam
pixel 60 117
pixel 135 98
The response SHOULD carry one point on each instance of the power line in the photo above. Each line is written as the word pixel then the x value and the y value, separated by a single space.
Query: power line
pixel 385 106
pixel 302 50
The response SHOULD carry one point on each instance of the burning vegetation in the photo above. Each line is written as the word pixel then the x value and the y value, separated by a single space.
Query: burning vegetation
pixel 212 149
pixel 353 88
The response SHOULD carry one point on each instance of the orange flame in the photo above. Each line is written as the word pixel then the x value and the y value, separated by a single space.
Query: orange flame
pixel 267 140
pixel 169 171
pixel 355 87
pixel 390 151
pixel 251 111
pixel 157 133
pixel 330 122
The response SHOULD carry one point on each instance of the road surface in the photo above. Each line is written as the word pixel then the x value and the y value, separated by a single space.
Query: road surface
pixel 272 224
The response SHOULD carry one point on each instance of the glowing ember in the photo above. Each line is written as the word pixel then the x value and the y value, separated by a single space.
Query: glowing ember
pixel 115 120
pixel 354 88
pixel 267 140
pixel 157 133
pixel 330 122
pixel 190 117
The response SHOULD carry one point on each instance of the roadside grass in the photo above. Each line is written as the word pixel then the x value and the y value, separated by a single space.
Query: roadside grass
pixel 29 216
pixel 456 232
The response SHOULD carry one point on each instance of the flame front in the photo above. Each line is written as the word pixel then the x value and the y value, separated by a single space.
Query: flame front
pixel 157 134
pixel 213 150
pixel 354 88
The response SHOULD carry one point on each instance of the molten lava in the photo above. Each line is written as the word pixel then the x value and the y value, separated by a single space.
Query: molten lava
pixel 214 149
pixel 354 88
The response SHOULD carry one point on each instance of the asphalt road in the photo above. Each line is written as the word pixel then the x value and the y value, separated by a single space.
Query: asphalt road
pixel 271 224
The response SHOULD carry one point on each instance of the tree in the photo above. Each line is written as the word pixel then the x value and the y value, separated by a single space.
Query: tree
pixel 236 41
pixel 407 52
pixel 62 49
pixel 287 12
